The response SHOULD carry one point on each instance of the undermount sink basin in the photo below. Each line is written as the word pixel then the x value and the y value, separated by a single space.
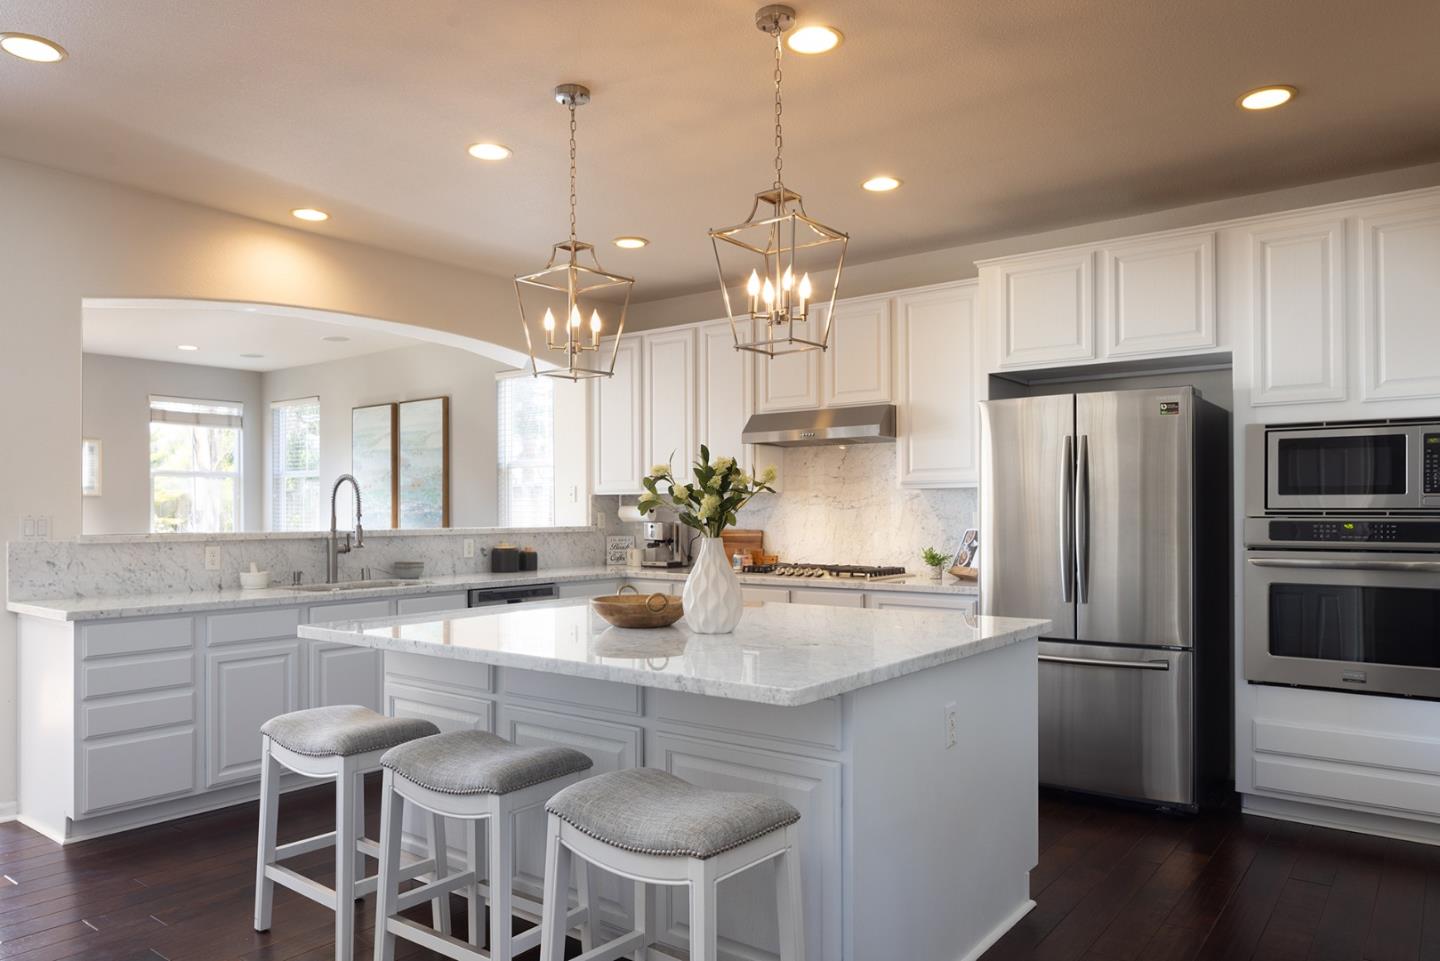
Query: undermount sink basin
pixel 354 586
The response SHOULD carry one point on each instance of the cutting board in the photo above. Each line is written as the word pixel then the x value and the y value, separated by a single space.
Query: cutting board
pixel 745 541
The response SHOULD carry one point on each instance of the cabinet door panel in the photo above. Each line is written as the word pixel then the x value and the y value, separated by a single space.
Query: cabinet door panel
pixel 669 392
pixel 857 365
pixel 1043 308
pixel 790 381
pixel 726 389
pixel 747 905
pixel 427 603
pixel 1400 289
pixel 246 686
pixel 123 771
pixel 343 674
pixel 616 436
pixel 1298 313
pixel 938 420
pixel 833 597
pixel 1159 294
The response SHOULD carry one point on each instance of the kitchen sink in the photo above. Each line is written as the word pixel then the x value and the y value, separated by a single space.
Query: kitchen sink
pixel 341 586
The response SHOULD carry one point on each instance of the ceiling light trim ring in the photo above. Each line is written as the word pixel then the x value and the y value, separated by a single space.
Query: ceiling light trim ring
pixel 60 53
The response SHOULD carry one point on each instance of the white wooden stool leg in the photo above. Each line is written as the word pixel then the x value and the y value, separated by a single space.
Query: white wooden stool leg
pixel 644 918
pixel 440 911
pixel 344 862
pixel 269 822
pixel 556 904
pixel 703 933
pixel 392 808
pixel 357 784
pixel 586 884
pixel 789 901
pixel 502 873
pixel 474 916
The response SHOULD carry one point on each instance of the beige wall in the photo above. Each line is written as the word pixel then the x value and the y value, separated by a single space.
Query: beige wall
pixel 64 237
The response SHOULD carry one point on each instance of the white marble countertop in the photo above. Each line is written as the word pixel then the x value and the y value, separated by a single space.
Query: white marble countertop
pixel 180 602
pixel 783 654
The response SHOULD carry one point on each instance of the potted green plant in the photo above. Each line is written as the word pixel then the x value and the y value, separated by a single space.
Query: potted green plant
pixel 936 561
pixel 708 503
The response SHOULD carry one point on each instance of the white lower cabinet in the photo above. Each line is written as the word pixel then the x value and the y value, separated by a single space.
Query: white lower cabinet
pixel 880 600
pixel 836 597
pixel 246 684
pixel 344 673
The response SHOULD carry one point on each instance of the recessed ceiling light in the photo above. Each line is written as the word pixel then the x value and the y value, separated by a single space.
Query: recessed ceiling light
pixel 310 213
pixel 336 339
pixel 30 47
pixel 1264 98
pixel 631 243
pixel 489 151
pixel 186 347
pixel 880 184
pixel 814 39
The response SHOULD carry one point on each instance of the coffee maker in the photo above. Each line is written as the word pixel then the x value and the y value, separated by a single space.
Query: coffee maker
pixel 667 544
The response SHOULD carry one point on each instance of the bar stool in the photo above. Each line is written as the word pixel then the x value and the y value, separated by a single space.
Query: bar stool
pixel 341 743
pixel 478 777
pixel 654 828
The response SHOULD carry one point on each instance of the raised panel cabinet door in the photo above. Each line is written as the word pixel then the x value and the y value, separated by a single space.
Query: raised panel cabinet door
pixel 1298 313
pixel 726 389
pixel 1043 308
pixel 669 392
pixel 1159 295
pixel 245 687
pixel 748 921
pixel 857 365
pixel 937 417
pixel 138 768
pixel 790 381
pixel 616 434
pixel 1399 294
pixel 344 674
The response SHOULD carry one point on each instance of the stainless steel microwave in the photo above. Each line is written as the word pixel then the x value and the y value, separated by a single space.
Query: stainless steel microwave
pixel 1391 466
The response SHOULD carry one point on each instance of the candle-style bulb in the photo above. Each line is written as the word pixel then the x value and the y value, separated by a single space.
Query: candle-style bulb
pixel 752 286
pixel 768 293
pixel 788 280
pixel 549 320
pixel 594 321
pixel 574 315
pixel 805 289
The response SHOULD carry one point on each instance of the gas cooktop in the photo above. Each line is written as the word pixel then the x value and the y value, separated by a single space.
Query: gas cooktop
pixel 797 569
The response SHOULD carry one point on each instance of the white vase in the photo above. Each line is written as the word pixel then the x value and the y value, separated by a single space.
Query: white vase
pixel 712 598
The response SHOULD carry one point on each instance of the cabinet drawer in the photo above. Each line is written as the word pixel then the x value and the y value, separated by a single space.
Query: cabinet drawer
pixel 136 636
pixel 832 598
pixel 135 674
pixel 1372 787
pixel 770 595
pixel 440 672
pixel 354 610
pixel 576 691
pixel 252 625
pixel 431 602
pixel 657 586
pixel 137 713
pixel 811 725
pixel 879 600
pixel 133 770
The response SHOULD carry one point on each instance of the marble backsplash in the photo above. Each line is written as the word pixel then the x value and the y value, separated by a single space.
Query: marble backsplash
pixel 105 566
pixel 845 507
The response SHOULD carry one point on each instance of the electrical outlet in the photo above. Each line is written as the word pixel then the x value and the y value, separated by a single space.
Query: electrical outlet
pixel 212 557
pixel 950 725
pixel 42 527
pixel 467 546
pixel 27 527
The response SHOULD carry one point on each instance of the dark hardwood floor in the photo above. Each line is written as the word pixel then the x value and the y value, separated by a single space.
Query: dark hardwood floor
pixel 1113 884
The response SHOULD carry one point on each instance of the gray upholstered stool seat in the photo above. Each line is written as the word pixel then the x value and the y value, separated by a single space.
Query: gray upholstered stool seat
pixel 342 730
pixel 653 812
pixel 478 762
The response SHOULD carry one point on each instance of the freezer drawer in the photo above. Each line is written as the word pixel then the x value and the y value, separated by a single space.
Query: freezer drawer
pixel 1117 721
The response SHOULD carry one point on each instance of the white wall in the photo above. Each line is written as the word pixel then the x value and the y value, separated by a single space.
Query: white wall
pixel 409 373
pixel 115 408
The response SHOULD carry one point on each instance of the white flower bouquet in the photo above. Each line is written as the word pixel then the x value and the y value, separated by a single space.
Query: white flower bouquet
pixel 710 503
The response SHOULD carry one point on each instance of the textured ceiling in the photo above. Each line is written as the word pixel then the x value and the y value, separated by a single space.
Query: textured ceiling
pixel 1001 117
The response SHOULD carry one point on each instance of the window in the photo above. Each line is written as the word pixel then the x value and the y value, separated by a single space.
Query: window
pixel 90 461
pixel 195 465
pixel 527 450
pixel 295 465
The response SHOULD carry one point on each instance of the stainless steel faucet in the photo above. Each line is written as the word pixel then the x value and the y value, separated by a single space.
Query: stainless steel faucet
pixel 332 559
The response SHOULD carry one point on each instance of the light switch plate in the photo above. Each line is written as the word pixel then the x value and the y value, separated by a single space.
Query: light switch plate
pixel 212 557
pixel 468 547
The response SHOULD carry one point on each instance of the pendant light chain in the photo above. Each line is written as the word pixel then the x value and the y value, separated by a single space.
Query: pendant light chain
pixel 572 174
pixel 779 133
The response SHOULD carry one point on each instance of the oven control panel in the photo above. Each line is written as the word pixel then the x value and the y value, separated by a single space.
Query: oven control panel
pixel 1358 531
pixel 1431 445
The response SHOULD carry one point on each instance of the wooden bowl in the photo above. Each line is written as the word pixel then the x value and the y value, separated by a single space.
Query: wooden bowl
pixel 639 610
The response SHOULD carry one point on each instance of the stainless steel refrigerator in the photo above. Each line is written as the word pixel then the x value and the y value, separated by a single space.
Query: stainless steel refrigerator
pixel 1108 513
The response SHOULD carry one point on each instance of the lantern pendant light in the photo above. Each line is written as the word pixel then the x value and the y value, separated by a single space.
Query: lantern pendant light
pixel 572 292
pixel 772 265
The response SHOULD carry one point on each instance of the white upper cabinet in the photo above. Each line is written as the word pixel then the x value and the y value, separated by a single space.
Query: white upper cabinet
pixel 726 389
pixel 1296 302
pixel 1157 294
pixel 616 434
pixel 938 387
pixel 790 381
pixel 1400 301
pixel 857 365
pixel 1042 308
pixel 668 410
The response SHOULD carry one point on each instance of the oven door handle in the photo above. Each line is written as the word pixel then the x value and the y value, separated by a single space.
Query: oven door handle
pixel 1418 567
pixel 1102 662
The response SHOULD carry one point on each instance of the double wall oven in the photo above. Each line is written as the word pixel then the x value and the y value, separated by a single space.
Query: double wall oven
pixel 1342 560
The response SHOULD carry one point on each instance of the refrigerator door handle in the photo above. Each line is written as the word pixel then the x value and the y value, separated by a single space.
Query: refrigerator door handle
pixel 1067 521
pixel 1082 520
pixel 1101 662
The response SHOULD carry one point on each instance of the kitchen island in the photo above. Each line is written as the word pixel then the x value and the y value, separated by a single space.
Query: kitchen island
pixel 906 738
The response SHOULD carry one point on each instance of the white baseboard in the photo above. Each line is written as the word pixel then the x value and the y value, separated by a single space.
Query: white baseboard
pixel 8 810
pixel 998 932
pixel 1341 819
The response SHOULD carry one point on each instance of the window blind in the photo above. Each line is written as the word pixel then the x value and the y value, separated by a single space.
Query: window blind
pixel 526 454
pixel 295 465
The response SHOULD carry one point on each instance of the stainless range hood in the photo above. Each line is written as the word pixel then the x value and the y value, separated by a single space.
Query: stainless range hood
pixel 871 424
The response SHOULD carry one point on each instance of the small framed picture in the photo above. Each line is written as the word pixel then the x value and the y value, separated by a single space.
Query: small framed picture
pixel 969 549
pixel 616 545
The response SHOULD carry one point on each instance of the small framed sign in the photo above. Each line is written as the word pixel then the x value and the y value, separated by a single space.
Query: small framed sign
pixel 969 548
pixel 616 547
